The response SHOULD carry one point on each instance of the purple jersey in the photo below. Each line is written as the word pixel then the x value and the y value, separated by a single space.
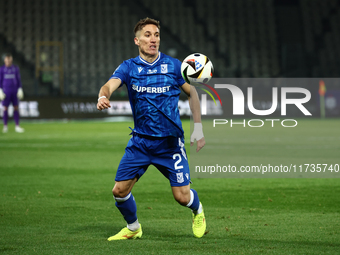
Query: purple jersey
pixel 10 79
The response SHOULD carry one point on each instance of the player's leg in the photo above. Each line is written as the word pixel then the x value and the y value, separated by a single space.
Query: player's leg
pixel 125 202
pixel 16 116
pixel 189 198
pixel 5 104
pixel 5 119
pixel 132 166
pixel 173 164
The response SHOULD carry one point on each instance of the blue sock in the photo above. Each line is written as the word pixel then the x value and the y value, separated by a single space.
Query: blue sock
pixel 194 200
pixel 127 207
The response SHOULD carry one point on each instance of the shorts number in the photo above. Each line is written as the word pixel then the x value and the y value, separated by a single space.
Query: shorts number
pixel 177 155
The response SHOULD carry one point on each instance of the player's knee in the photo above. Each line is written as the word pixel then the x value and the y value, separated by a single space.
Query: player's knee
pixel 182 199
pixel 15 108
pixel 5 108
pixel 119 192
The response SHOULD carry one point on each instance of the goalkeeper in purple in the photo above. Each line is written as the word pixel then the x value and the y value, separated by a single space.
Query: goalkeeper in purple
pixel 10 91
pixel 154 83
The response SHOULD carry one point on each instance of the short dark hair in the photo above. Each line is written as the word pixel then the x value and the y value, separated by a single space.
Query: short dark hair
pixel 143 22
pixel 8 55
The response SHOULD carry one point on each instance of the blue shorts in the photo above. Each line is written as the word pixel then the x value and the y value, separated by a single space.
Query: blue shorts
pixel 11 97
pixel 167 154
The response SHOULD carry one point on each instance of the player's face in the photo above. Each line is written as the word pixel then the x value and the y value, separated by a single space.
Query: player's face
pixel 8 61
pixel 148 40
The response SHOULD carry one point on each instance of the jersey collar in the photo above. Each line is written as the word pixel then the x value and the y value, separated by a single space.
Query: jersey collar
pixel 150 64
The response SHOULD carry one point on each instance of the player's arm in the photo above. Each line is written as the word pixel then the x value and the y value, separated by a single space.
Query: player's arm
pixel 106 92
pixel 196 114
pixel 2 94
pixel 20 93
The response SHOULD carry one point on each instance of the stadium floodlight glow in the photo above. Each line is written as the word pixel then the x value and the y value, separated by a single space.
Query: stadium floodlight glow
pixel 238 100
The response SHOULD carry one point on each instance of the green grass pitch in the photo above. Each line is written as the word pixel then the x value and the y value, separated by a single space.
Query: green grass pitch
pixel 55 198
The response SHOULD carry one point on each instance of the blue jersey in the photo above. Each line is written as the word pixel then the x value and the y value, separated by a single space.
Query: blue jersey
pixel 154 90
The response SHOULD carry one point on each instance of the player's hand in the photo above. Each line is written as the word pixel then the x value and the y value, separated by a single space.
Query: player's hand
pixel 200 144
pixel 103 103
pixel 197 135
pixel 2 95
pixel 20 94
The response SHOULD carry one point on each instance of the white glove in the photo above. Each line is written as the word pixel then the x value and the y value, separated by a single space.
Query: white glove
pixel 197 134
pixel 2 95
pixel 20 94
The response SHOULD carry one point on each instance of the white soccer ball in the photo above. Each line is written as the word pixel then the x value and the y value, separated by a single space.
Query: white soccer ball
pixel 197 68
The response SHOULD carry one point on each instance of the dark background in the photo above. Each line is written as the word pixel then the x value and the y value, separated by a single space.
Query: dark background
pixel 243 38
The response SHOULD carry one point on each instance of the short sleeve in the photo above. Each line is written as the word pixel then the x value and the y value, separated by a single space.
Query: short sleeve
pixel 121 72
pixel 179 77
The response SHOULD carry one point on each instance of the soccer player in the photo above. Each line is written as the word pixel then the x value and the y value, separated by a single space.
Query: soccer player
pixel 154 83
pixel 10 91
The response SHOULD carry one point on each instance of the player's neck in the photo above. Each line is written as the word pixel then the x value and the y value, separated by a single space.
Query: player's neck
pixel 149 58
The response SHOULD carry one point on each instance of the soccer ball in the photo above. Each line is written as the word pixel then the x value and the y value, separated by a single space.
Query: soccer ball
pixel 197 68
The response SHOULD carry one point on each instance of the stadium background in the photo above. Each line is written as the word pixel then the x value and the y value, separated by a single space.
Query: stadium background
pixel 56 178
pixel 66 50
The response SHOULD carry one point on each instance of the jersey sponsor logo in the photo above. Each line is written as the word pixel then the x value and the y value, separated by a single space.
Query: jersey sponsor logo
pixel 140 69
pixel 180 178
pixel 164 68
pixel 151 89
pixel 9 76
pixel 152 71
